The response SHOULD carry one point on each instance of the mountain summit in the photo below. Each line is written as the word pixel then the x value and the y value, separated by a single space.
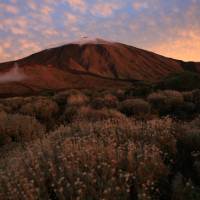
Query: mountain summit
pixel 88 64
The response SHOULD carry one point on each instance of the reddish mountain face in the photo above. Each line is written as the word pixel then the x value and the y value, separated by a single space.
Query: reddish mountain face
pixel 86 65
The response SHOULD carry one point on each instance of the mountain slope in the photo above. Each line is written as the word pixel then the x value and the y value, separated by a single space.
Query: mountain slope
pixel 90 64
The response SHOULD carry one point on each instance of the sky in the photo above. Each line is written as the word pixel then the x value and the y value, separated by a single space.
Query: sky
pixel 167 27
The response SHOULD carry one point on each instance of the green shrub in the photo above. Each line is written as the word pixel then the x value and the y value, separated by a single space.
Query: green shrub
pixel 136 107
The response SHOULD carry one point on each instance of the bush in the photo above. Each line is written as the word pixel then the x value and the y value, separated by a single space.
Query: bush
pixel 19 128
pixel 196 99
pixel 109 101
pixel 173 98
pixel 42 108
pixel 188 96
pixel 140 89
pixel 136 107
pixel 102 160
pixel 120 94
pixel 157 100
pixel 77 99
pixel 97 103
pixel 5 108
pixel 90 114
pixel 69 114
pixel 175 82
pixel 167 101
pixel 13 104
pixel 61 97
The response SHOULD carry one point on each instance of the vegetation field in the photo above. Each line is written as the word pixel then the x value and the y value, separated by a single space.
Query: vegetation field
pixel 103 144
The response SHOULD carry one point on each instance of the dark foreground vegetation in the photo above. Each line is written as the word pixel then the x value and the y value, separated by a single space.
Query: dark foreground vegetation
pixel 106 144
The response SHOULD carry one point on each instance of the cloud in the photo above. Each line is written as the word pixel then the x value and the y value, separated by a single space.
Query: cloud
pixel 78 5
pixel 3 53
pixel 32 5
pixel 28 44
pixel 9 8
pixel 46 10
pixel 13 75
pixel 105 9
pixel 50 32
pixel 139 5
pixel 71 19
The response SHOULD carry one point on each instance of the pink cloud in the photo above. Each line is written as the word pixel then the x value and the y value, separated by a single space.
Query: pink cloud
pixel 78 5
pixel 9 8
pixel 46 10
pixel 139 5
pixel 71 19
pixel 105 9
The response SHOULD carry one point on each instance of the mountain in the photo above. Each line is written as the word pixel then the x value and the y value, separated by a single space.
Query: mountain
pixel 86 64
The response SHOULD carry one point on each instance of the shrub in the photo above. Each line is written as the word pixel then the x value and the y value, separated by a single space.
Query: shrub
pixel 136 107
pixel 188 96
pixel 140 89
pixel 63 97
pixel 14 103
pixel 196 99
pixel 175 82
pixel 120 94
pixel 101 160
pixel 97 103
pixel 111 101
pixel 108 101
pixel 167 101
pixel 19 128
pixel 157 100
pixel 42 108
pixel 173 98
pixel 77 99
pixel 69 114
pixel 5 108
pixel 90 114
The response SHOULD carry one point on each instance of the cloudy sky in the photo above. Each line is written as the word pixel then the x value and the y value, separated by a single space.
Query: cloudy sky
pixel 168 27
